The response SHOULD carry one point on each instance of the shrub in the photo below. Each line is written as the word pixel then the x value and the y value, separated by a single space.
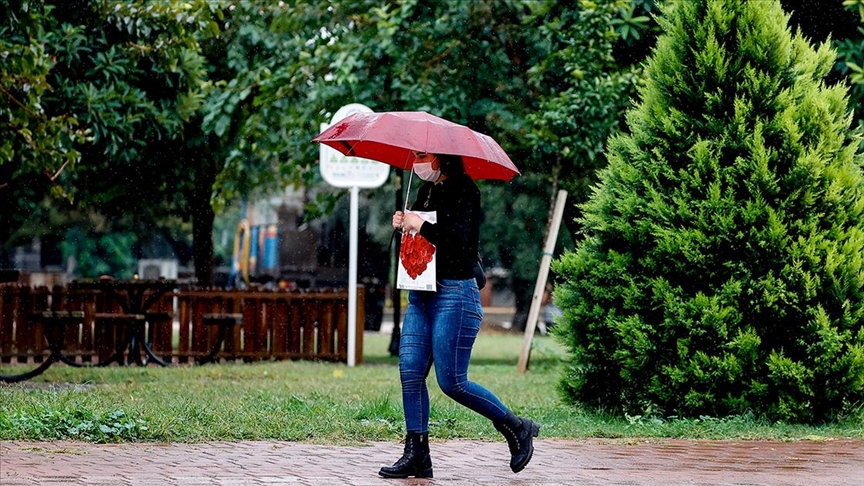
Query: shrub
pixel 721 267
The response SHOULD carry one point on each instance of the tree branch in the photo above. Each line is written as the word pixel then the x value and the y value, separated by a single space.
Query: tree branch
pixel 17 102
pixel 57 174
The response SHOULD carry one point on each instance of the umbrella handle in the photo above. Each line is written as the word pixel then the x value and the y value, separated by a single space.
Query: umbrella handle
pixel 404 207
pixel 408 191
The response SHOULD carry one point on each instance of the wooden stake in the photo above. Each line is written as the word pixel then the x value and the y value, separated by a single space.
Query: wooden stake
pixel 540 286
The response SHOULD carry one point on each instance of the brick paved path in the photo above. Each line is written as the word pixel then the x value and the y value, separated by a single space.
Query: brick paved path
pixel 590 462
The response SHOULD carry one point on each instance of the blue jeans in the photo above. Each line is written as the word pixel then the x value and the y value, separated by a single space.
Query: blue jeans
pixel 441 327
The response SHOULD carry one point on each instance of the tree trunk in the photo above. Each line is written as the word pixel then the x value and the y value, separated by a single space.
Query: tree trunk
pixel 202 243
pixel 202 224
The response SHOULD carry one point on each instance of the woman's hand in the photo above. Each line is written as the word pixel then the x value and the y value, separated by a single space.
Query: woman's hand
pixel 397 220
pixel 412 222
pixel 407 222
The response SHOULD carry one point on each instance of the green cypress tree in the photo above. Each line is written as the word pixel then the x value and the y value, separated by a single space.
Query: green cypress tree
pixel 721 267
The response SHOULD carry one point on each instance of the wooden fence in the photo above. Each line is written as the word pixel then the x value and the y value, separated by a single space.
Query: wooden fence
pixel 275 324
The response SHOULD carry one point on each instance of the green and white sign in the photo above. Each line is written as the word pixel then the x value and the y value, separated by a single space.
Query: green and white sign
pixel 339 170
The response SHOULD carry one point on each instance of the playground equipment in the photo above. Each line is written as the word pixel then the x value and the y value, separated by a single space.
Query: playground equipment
pixel 256 253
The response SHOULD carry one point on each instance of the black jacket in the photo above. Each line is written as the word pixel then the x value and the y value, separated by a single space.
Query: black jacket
pixel 456 236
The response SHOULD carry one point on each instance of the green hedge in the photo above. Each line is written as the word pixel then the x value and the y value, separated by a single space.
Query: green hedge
pixel 721 267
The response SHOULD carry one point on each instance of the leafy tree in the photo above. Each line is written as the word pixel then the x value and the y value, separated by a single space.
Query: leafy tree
pixel 276 69
pixel 400 56
pixel 130 75
pixel 36 145
pixel 587 93
pixel 284 74
pixel 721 267
pixel 99 253
pixel 134 72
pixel 580 92
pixel 312 59
pixel 840 22
pixel 253 134
pixel 426 57
pixel 851 61
pixel 250 140
pixel 34 141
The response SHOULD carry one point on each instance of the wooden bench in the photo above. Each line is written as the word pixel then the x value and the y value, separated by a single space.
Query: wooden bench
pixel 160 332
pixel 54 323
pixel 7 276
pixel 130 327
pixel 225 323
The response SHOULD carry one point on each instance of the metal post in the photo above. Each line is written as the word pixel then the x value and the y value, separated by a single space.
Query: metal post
pixel 396 294
pixel 352 277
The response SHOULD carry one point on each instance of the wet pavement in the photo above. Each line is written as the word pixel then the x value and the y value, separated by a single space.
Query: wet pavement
pixel 583 462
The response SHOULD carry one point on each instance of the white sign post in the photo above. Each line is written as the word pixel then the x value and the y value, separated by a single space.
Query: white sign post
pixel 340 170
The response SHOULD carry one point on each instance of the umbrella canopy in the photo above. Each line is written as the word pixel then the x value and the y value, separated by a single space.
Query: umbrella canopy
pixel 390 137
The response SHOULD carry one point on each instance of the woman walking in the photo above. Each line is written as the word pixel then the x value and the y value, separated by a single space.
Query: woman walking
pixel 440 327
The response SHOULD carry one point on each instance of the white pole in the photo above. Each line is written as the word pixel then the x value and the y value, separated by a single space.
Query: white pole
pixel 540 286
pixel 352 277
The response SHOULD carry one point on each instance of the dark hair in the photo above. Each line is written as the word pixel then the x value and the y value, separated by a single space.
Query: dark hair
pixel 451 165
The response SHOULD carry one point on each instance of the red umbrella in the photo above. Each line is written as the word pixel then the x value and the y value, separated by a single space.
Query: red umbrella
pixel 390 137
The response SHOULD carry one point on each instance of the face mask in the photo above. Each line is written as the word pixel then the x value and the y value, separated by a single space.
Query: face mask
pixel 426 172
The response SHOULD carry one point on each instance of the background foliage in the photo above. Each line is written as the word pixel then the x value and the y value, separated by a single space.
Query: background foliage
pixel 850 60
pixel 156 116
pixel 130 75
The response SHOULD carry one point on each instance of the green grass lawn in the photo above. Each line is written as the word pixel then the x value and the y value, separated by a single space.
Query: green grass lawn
pixel 331 403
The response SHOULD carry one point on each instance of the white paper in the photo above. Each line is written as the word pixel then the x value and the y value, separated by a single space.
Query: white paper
pixel 420 256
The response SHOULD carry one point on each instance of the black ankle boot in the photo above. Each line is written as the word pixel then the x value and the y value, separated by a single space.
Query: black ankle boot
pixel 520 433
pixel 415 461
